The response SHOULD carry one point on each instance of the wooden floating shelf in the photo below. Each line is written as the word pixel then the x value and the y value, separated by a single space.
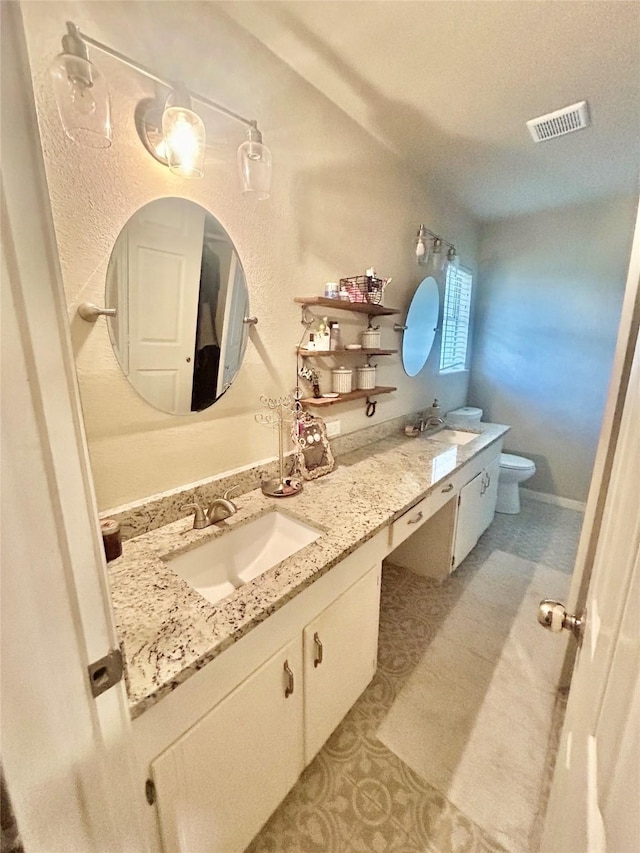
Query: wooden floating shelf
pixel 310 353
pixel 345 398
pixel 342 305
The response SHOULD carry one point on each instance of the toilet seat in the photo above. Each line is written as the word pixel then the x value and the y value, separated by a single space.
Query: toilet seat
pixel 516 463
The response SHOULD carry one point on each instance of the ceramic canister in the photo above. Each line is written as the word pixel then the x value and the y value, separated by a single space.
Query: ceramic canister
pixel 342 379
pixel 371 339
pixel 366 377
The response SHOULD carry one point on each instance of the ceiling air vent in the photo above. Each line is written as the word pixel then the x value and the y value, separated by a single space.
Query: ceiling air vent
pixel 560 122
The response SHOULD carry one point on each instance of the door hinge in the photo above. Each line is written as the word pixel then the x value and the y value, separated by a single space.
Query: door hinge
pixel 150 791
pixel 453 559
pixel 459 499
pixel 106 672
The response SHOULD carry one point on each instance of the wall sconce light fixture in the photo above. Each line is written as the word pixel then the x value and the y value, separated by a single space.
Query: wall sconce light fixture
pixel 81 93
pixel 175 135
pixel 431 251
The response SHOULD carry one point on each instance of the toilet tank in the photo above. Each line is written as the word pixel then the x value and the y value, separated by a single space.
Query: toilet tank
pixel 466 415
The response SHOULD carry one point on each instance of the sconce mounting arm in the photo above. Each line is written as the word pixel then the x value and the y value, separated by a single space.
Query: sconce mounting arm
pixel 163 81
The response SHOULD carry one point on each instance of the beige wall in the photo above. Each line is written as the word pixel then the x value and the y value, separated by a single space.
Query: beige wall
pixel 340 203
pixel 547 311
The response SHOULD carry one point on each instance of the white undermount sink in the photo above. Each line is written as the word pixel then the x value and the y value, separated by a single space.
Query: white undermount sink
pixel 222 564
pixel 453 436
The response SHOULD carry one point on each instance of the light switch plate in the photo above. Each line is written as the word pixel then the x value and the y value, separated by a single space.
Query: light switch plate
pixel 333 428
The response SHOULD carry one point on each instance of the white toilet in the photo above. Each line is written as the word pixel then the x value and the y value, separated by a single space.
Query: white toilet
pixel 513 469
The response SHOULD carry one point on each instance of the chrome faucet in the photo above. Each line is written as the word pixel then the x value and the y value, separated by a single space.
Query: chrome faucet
pixel 431 420
pixel 219 509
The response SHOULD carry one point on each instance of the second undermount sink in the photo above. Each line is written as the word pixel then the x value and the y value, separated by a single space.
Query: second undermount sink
pixel 453 436
pixel 217 567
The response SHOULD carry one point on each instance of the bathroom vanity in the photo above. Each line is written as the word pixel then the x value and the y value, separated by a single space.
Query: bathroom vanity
pixel 267 673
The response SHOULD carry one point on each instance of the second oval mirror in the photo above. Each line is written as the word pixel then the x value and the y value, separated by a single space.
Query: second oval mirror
pixel 422 320
pixel 177 283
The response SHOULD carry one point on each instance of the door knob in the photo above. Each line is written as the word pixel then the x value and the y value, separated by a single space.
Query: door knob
pixel 553 616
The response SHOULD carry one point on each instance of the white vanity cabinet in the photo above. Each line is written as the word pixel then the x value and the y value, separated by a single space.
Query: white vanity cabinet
pixel 225 748
pixel 340 657
pixel 434 536
pixel 476 509
pixel 217 785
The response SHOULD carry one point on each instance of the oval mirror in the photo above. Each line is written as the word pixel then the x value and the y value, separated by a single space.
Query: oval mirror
pixel 177 283
pixel 422 320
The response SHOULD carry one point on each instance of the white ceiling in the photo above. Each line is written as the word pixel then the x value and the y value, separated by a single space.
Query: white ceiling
pixel 449 84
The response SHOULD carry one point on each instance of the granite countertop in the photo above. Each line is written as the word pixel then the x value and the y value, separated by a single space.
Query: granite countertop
pixel 168 631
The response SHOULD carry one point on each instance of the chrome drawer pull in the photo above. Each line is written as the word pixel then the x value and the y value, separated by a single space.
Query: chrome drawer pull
pixel 317 660
pixel 289 688
pixel 416 519
pixel 448 488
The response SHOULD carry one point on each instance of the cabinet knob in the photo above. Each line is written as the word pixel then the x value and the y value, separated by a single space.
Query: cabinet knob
pixel 288 690
pixel 448 488
pixel 416 519
pixel 317 660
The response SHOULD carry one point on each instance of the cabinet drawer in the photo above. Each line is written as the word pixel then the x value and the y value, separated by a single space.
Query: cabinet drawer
pixel 415 517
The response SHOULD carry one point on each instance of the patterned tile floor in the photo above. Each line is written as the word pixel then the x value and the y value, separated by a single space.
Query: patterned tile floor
pixel 357 796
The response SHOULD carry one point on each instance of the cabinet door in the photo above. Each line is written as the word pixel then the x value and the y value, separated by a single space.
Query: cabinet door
pixel 469 518
pixel 219 783
pixel 490 494
pixel 340 658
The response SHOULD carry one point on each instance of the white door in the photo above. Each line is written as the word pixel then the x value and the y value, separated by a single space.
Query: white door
pixel 164 263
pixel 594 801
pixel 220 782
pixel 469 518
pixel 593 806
pixel 64 753
pixel 340 658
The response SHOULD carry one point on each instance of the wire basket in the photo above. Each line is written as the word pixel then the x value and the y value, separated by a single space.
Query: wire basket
pixel 364 288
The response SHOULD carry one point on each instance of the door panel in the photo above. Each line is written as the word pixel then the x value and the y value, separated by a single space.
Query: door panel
pixel 490 495
pixel 164 261
pixel 220 782
pixel 348 632
pixel 594 797
pixel 469 518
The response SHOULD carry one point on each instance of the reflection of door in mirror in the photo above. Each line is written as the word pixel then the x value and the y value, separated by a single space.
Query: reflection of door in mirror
pixel 164 259
pixel 178 285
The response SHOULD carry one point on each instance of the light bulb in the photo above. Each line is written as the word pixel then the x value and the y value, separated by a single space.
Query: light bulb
pixel 420 248
pixel 184 137
pixel 254 164
pixel 452 258
pixel 82 99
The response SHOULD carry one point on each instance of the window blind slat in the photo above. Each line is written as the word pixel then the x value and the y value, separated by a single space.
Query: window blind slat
pixel 455 322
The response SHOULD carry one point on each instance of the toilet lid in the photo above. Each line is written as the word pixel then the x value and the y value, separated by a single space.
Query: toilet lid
pixel 508 460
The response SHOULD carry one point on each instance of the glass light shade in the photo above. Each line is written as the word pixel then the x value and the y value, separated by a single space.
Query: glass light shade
pixel 423 250
pixel 254 163
pixel 439 260
pixel 82 98
pixel 452 258
pixel 185 138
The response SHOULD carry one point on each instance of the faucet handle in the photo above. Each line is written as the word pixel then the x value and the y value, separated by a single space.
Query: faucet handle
pixel 199 519
pixel 227 494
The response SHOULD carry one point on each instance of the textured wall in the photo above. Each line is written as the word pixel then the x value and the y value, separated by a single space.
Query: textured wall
pixel 340 203
pixel 547 312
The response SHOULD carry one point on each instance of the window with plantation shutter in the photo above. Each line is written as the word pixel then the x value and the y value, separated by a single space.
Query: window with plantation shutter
pixel 455 321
